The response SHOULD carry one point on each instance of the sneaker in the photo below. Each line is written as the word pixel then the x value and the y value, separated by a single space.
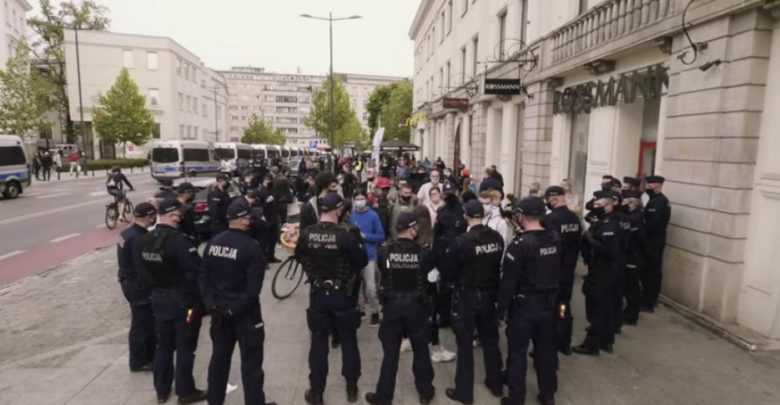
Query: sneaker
pixel 406 345
pixel 374 321
pixel 441 355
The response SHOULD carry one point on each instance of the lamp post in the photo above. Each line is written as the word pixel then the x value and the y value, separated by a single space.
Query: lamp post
pixel 330 19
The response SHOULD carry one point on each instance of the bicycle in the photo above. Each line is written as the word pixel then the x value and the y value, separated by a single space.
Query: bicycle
pixel 287 278
pixel 112 212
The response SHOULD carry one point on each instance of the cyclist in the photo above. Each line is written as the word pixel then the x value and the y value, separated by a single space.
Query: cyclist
pixel 115 186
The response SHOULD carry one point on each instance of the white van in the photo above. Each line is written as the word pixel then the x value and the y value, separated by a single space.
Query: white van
pixel 14 166
pixel 174 159
pixel 234 157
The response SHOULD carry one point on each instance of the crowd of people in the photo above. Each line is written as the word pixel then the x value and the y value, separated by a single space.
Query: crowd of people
pixel 410 247
pixel 45 161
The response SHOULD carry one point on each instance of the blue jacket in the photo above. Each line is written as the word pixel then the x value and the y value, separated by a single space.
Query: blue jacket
pixel 371 227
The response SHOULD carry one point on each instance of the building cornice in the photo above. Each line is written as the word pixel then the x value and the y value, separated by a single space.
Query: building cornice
pixel 419 17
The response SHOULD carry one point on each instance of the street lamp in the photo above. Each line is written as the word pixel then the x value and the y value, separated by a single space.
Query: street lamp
pixel 330 19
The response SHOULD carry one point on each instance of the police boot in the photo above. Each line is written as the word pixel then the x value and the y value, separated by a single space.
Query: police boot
pixel 586 350
pixel 373 400
pixel 544 400
pixel 196 396
pixel 352 391
pixel 312 398
pixel 453 395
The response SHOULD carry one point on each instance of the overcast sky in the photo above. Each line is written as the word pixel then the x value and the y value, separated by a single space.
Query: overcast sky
pixel 270 33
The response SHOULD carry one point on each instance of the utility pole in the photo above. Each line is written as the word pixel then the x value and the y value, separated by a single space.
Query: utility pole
pixel 216 119
pixel 331 129
pixel 78 76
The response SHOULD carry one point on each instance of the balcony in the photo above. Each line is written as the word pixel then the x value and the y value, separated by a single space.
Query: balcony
pixel 607 22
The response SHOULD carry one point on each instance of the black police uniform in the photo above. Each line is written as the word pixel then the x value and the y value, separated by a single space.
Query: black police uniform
pixel 603 251
pixel 403 266
pixel 657 213
pixel 635 262
pixel 231 279
pixel 272 220
pixel 621 215
pixel 449 225
pixel 473 261
pixel 567 224
pixel 171 262
pixel 137 292
pixel 332 259
pixel 218 201
pixel 531 272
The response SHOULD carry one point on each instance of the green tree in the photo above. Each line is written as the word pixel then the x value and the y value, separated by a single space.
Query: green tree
pixel 48 45
pixel 24 95
pixel 121 115
pixel 352 132
pixel 397 111
pixel 319 117
pixel 259 131
pixel 378 98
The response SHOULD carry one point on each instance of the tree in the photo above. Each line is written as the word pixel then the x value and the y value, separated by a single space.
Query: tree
pixel 121 115
pixel 319 117
pixel 48 46
pixel 259 131
pixel 352 132
pixel 397 111
pixel 378 98
pixel 24 95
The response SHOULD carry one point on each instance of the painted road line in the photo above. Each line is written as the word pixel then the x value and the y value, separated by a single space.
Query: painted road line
pixel 51 196
pixel 66 237
pixel 100 226
pixel 98 193
pixel 11 254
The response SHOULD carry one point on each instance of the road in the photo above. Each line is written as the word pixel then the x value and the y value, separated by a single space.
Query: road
pixel 52 222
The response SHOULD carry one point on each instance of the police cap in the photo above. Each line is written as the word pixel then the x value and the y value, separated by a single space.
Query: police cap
pixel 655 179
pixel 474 209
pixel 144 209
pixel 169 205
pixel 405 221
pixel 331 202
pixel 632 181
pixel 223 177
pixel 185 187
pixel 602 194
pixel 532 205
pixel 628 194
pixel 237 209
pixel 449 188
pixel 617 197
pixel 554 191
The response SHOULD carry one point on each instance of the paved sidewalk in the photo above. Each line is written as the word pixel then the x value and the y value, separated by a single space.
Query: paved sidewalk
pixel 62 341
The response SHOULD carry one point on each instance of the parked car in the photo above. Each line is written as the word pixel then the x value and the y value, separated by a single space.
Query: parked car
pixel 200 205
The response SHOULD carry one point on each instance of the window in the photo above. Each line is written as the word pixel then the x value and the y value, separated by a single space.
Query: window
pixel 195 133
pixel 196 155
pixel 449 17
pixel 189 103
pixel 442 28
pixel 234 117
pixel 502 35
pixel 205 110
pixel 127 58
pixel 186 70
pixel 11 155
pixel 165 155
pixel 463 63
pixel 154 97
pixel 151 60
pixel 244 107
pixel 181 102
pixel 156 131
pixel 475 48
pixel 286 99
pixel 189 131
pixel 233 107
pixel 181 131
pixel 178 66
pixel 195 105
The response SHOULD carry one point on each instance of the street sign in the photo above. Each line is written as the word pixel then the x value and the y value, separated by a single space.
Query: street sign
pixel 459 103
pixel 508 87
pixel 313 144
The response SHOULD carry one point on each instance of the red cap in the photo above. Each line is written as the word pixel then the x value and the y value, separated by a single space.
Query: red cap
pixel 383 182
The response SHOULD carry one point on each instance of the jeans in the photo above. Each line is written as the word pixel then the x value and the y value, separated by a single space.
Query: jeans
pixel 370 279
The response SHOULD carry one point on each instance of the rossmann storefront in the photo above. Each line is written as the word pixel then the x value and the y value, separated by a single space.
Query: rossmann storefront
pixel 624 90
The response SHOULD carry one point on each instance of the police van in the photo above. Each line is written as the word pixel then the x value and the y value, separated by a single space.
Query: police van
pixel 170 160
pixel 234 157
pixel 14 166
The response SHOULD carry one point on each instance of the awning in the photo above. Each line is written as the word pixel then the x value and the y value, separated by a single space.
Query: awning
pixel 398 145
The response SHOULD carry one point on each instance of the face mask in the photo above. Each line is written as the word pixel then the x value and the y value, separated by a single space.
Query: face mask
pixel 598 212
pixel 650 192
pixel 406 198
pixel 622 208
pixel 360 204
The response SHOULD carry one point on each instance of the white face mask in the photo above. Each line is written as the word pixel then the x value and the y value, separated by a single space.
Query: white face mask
pixel 360 204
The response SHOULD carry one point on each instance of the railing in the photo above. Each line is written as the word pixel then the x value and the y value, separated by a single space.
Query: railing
pixel 607 22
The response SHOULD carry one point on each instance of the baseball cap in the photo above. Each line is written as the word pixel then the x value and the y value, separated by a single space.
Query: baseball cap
pixel 554 191
pixel 144 209
pixel 383 182
pixel 405 221
pixel 169 205
pixel 449 188
pixel 531 206
pixel 238 209
pixel 474 209
pixel 331 202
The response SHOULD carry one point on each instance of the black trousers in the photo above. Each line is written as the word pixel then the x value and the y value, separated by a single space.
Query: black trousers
pixel 651 275
pixel 563 319
pixel 141 339
pixel 476 311
pixel 632 293
pixel 531 321
pixel 326 312
pixel 405 317
pixel 619 305
pixel 248 331
pixel 274 231
pixel 174 335
pixel 599 307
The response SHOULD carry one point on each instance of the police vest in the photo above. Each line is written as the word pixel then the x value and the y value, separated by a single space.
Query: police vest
pixel 161 272
pixel 541 271
pixel 484 272
pixel 325 261
pixel 403 274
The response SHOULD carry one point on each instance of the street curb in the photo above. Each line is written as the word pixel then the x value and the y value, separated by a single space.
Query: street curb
pixel 744 339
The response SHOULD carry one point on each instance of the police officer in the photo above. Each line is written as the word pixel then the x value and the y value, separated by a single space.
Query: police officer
pixel 185 193
pixel 404 267
pixel 218 200
pixel 231 280
pixel 332 259
pixel 603 253
pixel 562 220
pixel 271 212
pixel 657 214
pixel 137 291
pixel 620 213
pixel 449 225
pixel 473 261
pixel 635 259
pixel 527 296
pixel 631 183
pixel 170 261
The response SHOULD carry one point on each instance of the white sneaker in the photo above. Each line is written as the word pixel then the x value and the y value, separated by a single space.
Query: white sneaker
pixel 441 355
pixel 406 345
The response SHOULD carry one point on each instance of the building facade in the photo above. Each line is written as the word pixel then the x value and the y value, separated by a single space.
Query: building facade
pixel 13 26
pixel 187 99
pixel 616 87
pixel 285 100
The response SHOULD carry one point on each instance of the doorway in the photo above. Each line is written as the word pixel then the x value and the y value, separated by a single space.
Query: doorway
pixel 578 154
